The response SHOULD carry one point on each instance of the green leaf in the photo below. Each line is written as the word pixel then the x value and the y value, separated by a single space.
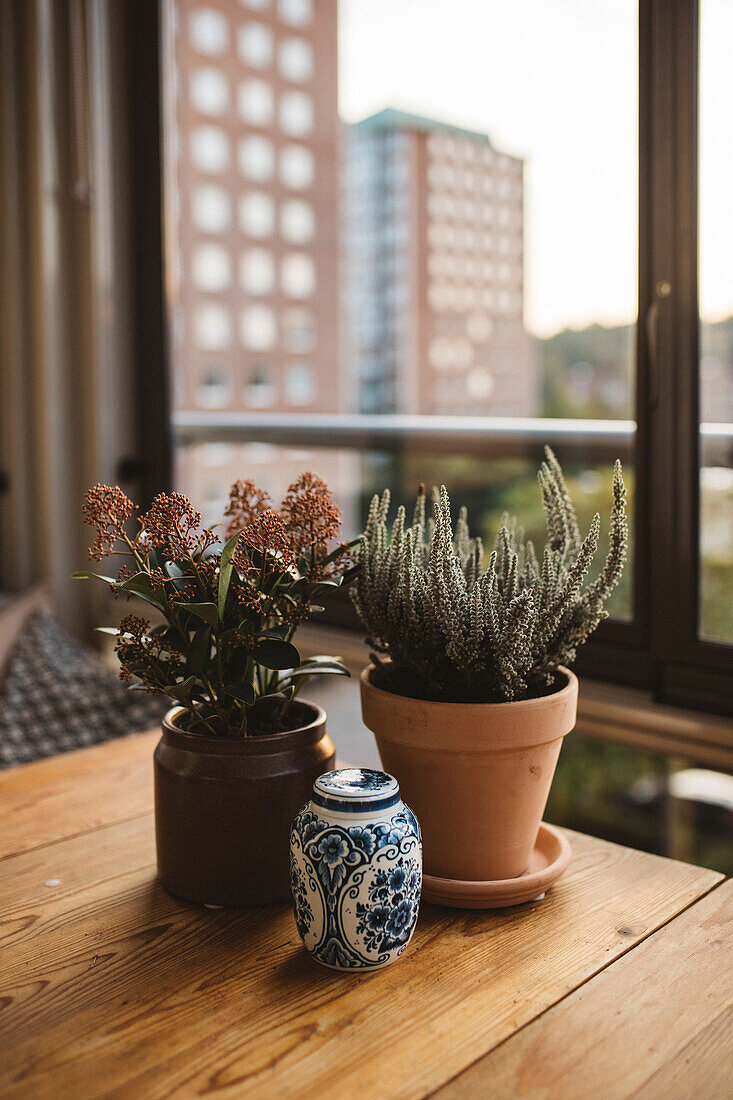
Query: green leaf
pixel 322 662
pixel 244 692
pixel 206 611
pixel 240 666
pixel 225 571
pixel 92 576
pixel 181 691
pixel 316 670
pixel 140 586
pixel 198 650
pixel 281 631
pixel 276 654
pixel 272 701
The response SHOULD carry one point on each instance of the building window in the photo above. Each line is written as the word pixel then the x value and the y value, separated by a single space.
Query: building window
pixel 215 390
pixel 212 327
pixel 295 60
pixel 257 215
pixel 297 275
pixel 296 114
pixel 256 158
pixel 258 328
pixel 257 271
pixel 299 330
pixel 209 32
pixel 297 221
pixel 260 390
pixel 255 102
pixel 479 384
pixel 297 167
pixel 211 267
pixel 296 13
pixel 254 44
pixel 209 91
pixel 211 209
pixel 300 384
pixel 210 149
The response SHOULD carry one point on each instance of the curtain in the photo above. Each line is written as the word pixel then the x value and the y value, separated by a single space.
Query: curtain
pixel 67 360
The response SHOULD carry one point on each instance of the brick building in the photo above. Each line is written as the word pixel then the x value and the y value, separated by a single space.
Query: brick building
pixel 253 226
pixel 434 270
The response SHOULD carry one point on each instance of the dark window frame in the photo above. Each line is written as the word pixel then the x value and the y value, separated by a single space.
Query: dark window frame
pixel 660 650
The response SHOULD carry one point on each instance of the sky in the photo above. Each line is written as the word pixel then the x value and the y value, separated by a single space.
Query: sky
pixel 555 82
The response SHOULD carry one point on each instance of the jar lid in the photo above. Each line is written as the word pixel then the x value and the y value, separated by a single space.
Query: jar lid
pixel 356 790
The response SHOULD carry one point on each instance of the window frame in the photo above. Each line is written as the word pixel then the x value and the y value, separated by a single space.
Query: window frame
pixel 660 649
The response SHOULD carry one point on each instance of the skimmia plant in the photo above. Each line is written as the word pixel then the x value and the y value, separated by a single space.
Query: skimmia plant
pixel 456 631
pixel 223 642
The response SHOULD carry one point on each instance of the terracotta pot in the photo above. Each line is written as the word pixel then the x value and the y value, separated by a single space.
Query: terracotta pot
pixel 224 808
pixel 477 775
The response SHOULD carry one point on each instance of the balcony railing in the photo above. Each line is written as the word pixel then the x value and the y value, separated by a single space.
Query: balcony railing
pixel 481 437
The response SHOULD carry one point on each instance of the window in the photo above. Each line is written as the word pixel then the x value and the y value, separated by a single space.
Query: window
pixel 297 221
pixel 254 43
pixel 300 384
pixel 296 167
pixel 295 60
pixel 211 209
pixel 211 267
pixel 212 327
pixel 209 32
pixel 297 275
pixel 209 91
pixel 260 391
pixel 256 103
pixel 210 149
pixel 532 266
pixel 258 328
pixel 716 329
pixel 257 214
pixel 256 158
pixel 215 390
pixel 299 330
pixel 257 271
pixel 296 114
pixel 295 13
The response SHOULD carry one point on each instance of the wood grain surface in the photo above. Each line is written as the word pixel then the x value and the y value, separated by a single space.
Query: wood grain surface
pixel 657 1024
pixel 109 987
pixel 76 792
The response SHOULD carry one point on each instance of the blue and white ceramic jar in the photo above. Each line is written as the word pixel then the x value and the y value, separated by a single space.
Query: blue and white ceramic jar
pixel 356 870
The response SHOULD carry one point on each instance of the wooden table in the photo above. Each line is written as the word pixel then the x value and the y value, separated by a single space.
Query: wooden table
pixel 618 983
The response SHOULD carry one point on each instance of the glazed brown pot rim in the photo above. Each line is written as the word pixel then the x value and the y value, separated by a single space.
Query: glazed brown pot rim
pixel 569 689
pixel 238 746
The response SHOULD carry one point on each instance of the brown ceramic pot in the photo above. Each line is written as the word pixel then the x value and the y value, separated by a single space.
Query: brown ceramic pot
pixel 477 775
pixel 224 808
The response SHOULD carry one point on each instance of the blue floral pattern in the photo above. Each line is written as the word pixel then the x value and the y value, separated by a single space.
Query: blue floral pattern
pixel 356 888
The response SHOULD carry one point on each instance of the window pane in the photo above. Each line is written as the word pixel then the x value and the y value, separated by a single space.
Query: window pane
pixel 374 240
pixel 716 322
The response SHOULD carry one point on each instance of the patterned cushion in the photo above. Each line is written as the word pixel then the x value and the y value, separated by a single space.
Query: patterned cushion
pixel 58 696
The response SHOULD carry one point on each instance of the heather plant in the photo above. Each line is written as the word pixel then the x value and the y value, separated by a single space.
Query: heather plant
pixel 456 631
pixel 227 613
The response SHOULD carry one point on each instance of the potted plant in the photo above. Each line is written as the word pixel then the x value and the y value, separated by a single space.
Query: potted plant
pixel 469 694
pixel 240 749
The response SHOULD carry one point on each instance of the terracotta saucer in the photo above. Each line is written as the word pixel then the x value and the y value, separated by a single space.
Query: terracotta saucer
pixel 550 856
